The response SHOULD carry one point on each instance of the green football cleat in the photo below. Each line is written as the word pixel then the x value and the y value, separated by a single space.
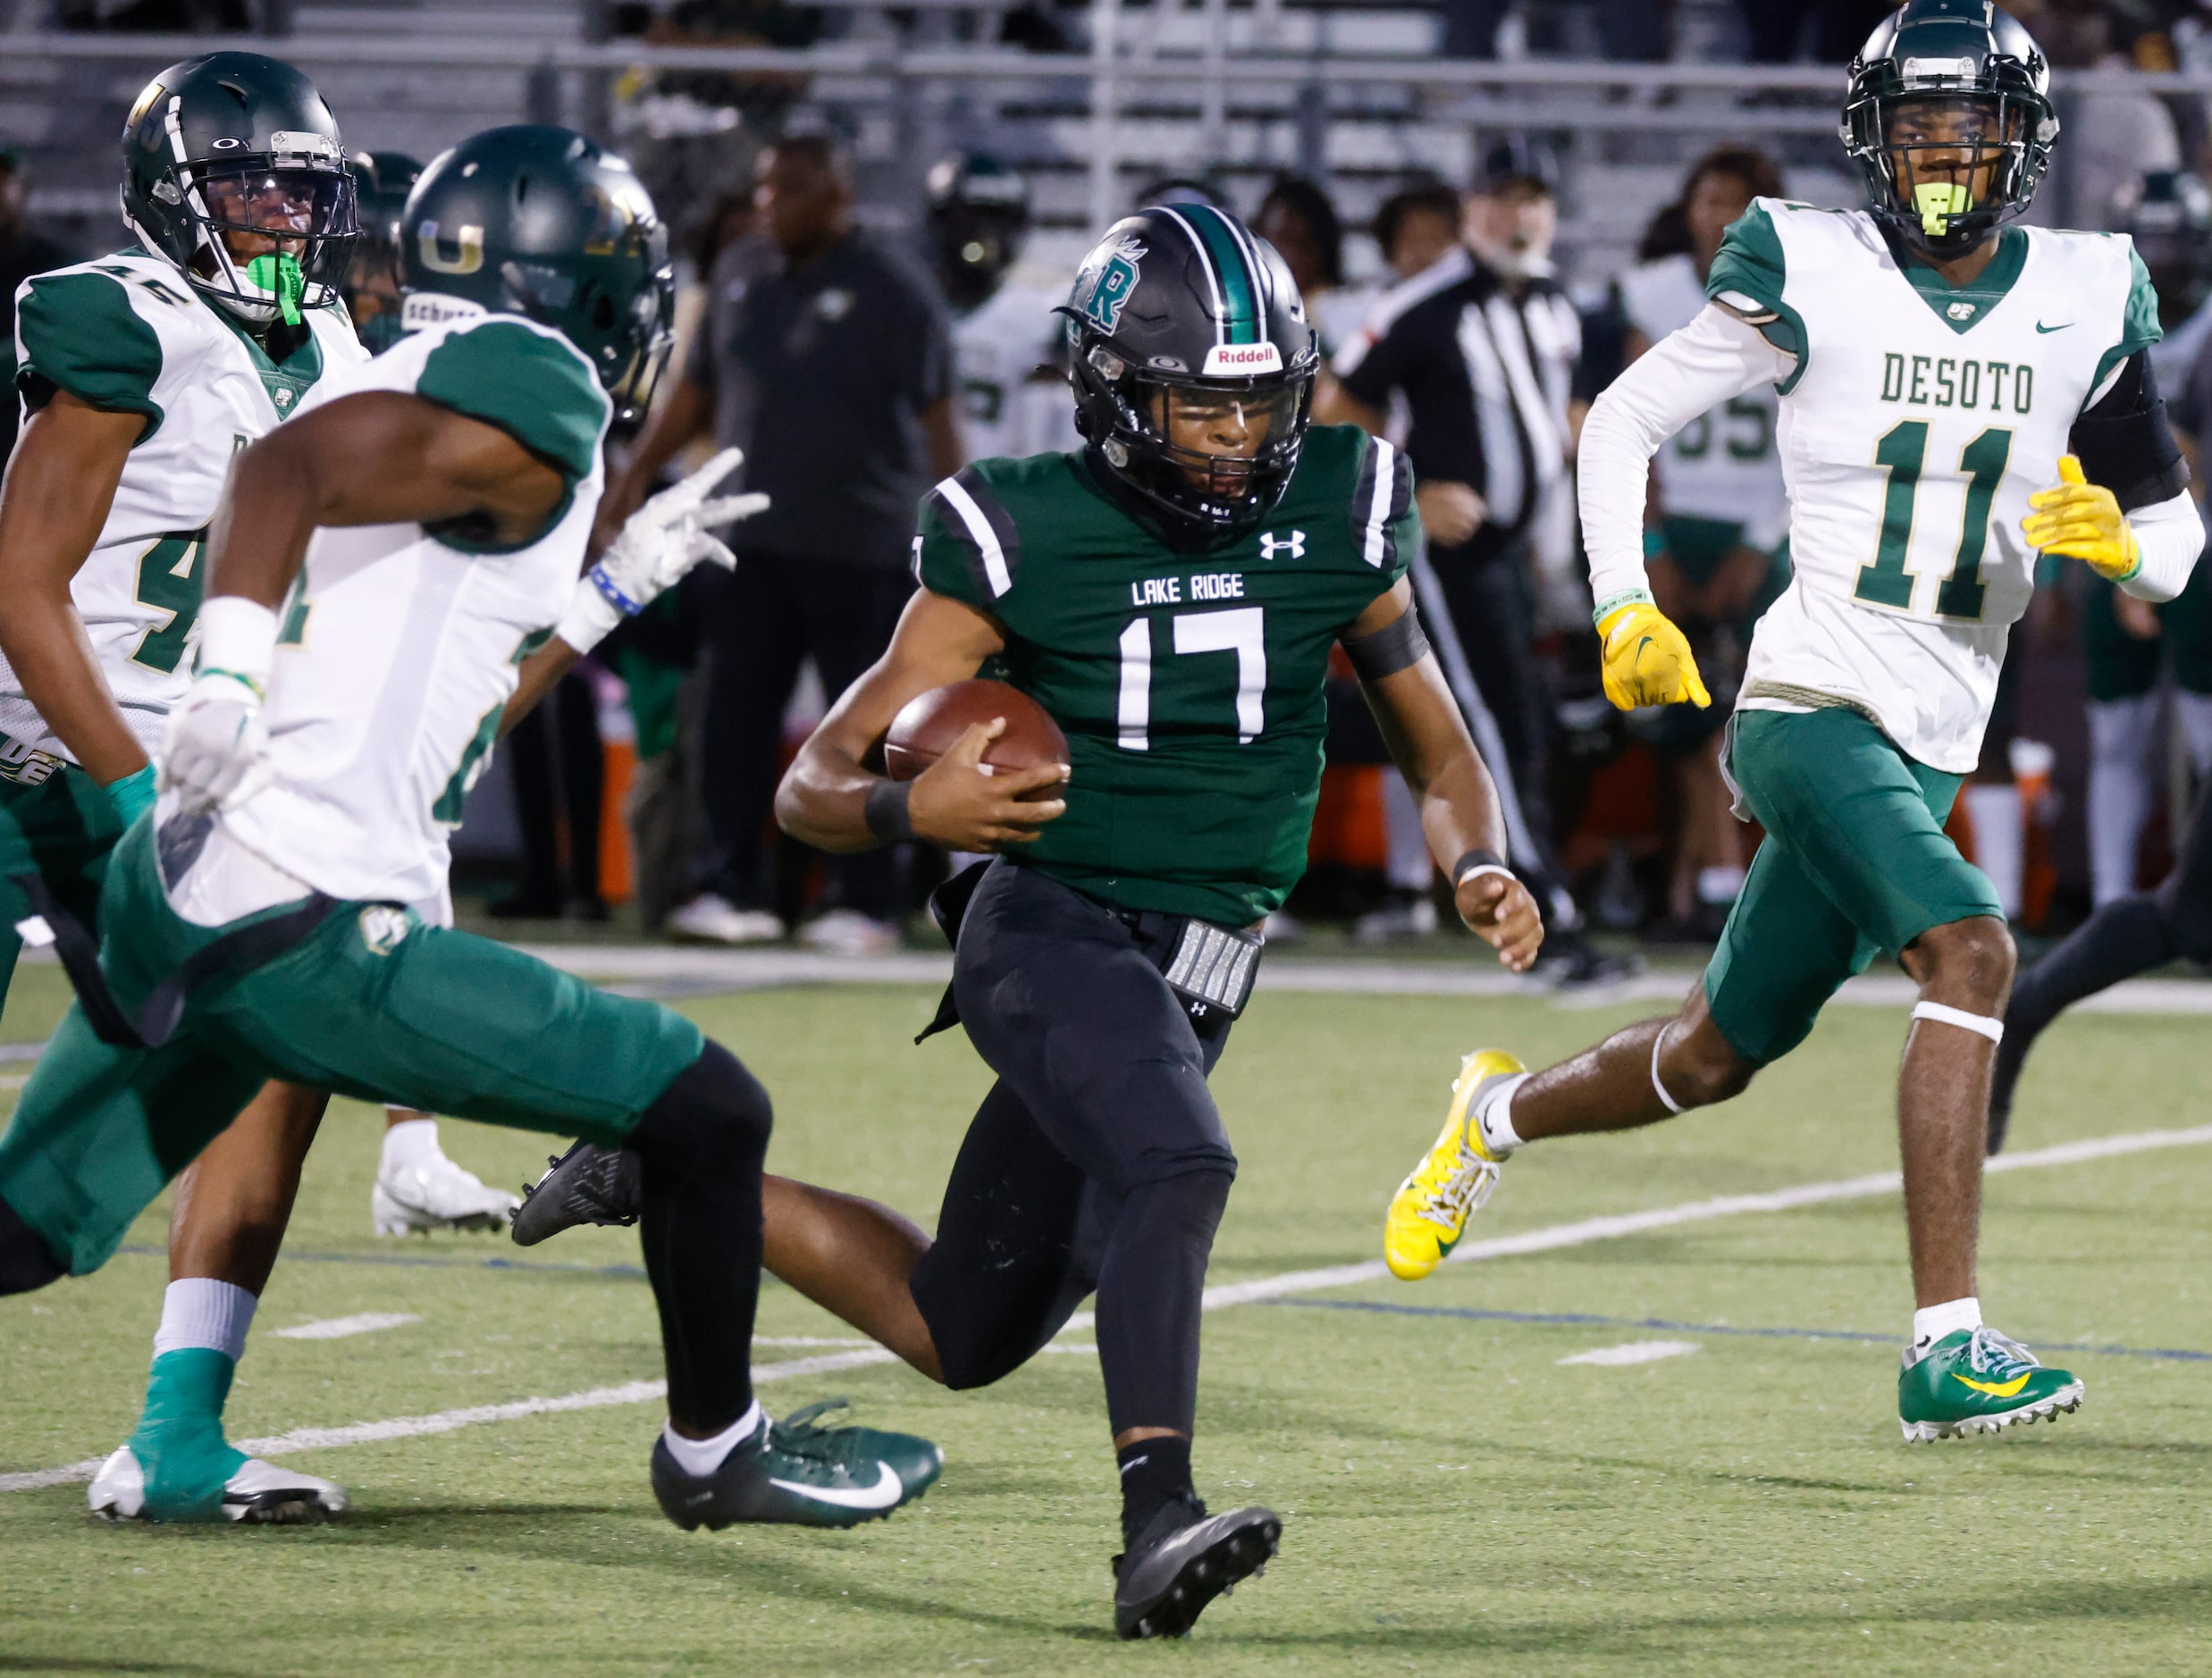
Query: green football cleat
pixel 795 1472
pixel 1979 1381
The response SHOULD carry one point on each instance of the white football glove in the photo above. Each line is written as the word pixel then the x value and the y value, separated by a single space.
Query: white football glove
pixel 661 541
pixel 214 752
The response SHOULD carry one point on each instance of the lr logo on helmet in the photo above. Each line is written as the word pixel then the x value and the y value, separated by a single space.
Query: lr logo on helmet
pixel 1294 544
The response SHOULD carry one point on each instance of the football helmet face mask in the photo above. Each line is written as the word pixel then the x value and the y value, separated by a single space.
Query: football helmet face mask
pixel 542 221
pixel 233 170
pixel 979 218
pixel 1950 122
pixel 1193 366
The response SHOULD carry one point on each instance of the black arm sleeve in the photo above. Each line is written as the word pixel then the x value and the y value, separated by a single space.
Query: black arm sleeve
pixel 2125 444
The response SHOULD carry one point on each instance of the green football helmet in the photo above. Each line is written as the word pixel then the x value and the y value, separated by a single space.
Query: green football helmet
pixel 382 181
pixel 542 221
pixel 1950 122
pixel 228 151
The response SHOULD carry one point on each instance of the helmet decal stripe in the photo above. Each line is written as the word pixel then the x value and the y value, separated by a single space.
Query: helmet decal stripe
pixel 1205 260
pixel 1240 310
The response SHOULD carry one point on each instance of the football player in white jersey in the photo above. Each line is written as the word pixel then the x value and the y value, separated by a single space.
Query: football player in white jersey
pixel 1958 396
pixel 1713 537
pixel 392 576
pixel 1006 337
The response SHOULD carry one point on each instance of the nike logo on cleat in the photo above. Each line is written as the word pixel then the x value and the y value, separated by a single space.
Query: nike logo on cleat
pixel 882 1495
pixel 1995 1389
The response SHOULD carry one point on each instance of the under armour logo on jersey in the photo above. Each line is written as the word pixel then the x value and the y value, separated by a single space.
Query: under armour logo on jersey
pixel 1960 311
pixel 1294 544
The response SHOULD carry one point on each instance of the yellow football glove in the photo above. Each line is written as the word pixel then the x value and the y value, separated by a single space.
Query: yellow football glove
pixel 2082 521
pixel 1648 660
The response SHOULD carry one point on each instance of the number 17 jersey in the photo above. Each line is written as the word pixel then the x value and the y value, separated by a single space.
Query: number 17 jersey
pixel 1918 420
pixel 1189 685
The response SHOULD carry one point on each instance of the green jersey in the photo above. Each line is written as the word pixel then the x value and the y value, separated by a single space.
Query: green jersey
pixel 1188 683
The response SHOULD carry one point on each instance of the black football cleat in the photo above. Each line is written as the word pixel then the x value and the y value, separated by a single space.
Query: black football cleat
pixel 1182 1560
pixel 588 1184
pixel 793 1473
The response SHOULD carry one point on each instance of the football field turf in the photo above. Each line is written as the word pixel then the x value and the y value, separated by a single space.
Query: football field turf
pixel 1460 1495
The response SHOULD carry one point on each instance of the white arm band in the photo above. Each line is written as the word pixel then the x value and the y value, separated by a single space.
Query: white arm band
pixel 2169 536
pixel 1689 372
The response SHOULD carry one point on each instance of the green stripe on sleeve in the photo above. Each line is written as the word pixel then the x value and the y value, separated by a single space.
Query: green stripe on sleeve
pixel 2138 326
pixel 532 385
pixel 1750 266
pixel 78 333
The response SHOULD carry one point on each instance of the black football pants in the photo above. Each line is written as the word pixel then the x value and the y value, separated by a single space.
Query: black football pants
pixel 763 622
pixel 1096 1164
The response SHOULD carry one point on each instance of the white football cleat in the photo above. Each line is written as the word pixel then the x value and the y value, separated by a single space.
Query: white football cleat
pixel 848 932
pixel 711 918
pixel 258 1491
pixel 436 1194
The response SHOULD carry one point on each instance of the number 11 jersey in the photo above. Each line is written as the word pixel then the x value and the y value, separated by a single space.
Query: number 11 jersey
pixel 1189 684
pixel 1918 420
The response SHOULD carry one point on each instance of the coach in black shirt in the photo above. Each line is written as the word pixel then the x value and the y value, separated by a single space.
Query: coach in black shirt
pixel 1477 353
pixel 827 359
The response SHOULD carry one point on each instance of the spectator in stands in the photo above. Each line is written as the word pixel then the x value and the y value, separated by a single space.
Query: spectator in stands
pixel 1417 225
pixel 1298 219
pixel 1481 348
pixel 2113 136
pixel 22 253
pixel 840 349
pixel 1716 536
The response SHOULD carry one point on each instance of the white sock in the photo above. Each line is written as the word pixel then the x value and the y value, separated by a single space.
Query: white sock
pixel 199 1312
pixel 411 1142
pixel 2000 842
pixel 703 1456
pixel 1495 1117
pixel 1932 1322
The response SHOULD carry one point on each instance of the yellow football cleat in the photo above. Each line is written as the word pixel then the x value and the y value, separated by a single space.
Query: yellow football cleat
pixel 1429 1211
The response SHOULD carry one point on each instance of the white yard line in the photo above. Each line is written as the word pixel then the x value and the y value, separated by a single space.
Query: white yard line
pixel 1544 1240
pixel 345 1327
pixel 1634 1352
pixel 1474 977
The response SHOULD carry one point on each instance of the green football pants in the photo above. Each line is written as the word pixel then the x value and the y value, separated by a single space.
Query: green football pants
pixel 374 1004
pixel 1855 863
pixel 63 829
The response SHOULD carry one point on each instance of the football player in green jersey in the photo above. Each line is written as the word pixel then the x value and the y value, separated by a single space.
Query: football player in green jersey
pixel 1170 594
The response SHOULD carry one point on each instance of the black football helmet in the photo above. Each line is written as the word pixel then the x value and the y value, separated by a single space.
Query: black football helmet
pixel 380 183
pixel 232 148
pixel 979 217
pixel 1184 321
pixel 1950 121
pixel 542 221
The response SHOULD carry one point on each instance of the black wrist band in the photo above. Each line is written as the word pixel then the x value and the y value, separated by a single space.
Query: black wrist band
pixel 1475 858
pixel 886 814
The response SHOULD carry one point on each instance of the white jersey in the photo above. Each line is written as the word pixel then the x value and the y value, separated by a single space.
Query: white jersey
pixel 398 647
pixel 127 334
pixel 1916 424
pixel 1006 405
pixel 1724 464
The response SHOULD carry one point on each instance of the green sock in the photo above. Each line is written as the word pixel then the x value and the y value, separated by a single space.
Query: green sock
pixel 180 1442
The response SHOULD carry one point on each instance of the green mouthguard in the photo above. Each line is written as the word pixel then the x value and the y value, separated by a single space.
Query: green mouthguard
pixel 280 274
pixel 1938 202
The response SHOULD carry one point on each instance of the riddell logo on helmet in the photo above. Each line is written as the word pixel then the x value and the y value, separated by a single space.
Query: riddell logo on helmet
pixel 1238 358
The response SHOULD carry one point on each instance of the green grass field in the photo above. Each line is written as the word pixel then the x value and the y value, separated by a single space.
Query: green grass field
pixel 1455 1498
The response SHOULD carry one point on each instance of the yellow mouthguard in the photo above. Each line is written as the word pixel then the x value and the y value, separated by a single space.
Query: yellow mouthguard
pixel 1937 201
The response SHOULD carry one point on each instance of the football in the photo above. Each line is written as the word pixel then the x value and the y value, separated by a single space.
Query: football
pixel 929 724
